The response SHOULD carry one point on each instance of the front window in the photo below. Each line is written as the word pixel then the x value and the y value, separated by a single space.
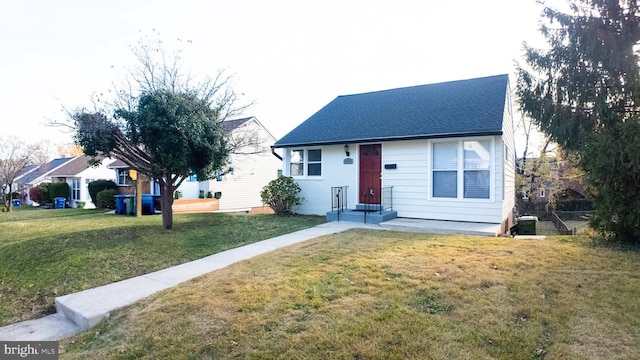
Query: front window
pixel 297 163
pixel 121 176
pixel 445 170
pixel 477 164
pixel 461 169
pixel 306 162
pixel 75 189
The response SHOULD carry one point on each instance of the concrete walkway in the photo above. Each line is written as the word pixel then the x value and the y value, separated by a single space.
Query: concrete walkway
pixel 85 309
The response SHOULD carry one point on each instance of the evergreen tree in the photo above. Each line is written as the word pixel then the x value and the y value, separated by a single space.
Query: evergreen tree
pixel 584 92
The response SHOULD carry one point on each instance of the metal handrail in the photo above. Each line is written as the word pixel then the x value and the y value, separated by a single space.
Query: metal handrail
pixel 339 200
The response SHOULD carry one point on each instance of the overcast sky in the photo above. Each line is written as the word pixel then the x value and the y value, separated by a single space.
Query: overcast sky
pixel 290 57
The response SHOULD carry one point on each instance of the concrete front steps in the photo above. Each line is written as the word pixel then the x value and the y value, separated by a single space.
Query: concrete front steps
pixel 369 214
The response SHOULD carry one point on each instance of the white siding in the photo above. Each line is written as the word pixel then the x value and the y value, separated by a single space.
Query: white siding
pixel 411 182
pixel 92 173
pixel 251 172
pixel 508 159
pixel 316 190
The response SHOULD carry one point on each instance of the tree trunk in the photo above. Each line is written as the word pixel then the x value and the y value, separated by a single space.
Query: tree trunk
pixel 166 200
pixel 10 199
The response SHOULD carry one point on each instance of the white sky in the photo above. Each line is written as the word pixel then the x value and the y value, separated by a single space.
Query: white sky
pixel 291 57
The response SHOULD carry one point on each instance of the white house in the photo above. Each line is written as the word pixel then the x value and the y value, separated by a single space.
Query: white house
pixel 34 175
pixel 78 172
pixel 439 152
pixel 251 166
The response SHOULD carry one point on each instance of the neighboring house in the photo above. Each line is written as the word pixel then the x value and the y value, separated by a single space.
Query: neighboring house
pixel 441 152
pixel 78 173
pixel 251 166
pixel 34 176
pixel 544 181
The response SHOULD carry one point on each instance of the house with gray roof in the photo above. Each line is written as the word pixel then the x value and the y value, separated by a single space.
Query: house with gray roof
pixel 34 175
pixel 440 151
pixel 78 172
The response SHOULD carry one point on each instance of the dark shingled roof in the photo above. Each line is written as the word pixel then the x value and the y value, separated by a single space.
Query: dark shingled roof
pixel 43 169
pixel 230 125
pixel 73 167
pixel 457 108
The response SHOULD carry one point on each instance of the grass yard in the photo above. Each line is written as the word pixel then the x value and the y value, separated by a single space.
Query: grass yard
pixel 47 253
pixel 368 294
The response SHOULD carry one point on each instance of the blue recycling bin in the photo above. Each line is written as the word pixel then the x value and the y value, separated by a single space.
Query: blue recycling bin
pixel 120 205
pixel 60 202
pixel 148 204
pixel 17 202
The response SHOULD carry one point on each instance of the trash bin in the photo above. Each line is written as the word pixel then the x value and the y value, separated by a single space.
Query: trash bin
pixel 130 205
pixel 527 225
pixel 59 202
pixel 17 202
pixel 120 207
pixel 148 206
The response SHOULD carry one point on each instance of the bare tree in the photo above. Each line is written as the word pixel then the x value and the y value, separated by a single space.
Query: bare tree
pixel 15 155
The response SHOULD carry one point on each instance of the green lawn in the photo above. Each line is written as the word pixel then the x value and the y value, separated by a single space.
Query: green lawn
pixel 367 294
pixel 47 253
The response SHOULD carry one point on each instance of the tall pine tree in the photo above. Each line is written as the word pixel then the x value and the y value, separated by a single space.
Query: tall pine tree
pixel 584 92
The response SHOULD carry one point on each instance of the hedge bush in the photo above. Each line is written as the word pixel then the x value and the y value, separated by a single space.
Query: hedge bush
pixel 59 190
pixel 98 185
pixel 281 195
pixel 105 199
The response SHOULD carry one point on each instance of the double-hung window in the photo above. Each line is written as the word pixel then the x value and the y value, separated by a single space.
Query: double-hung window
pixel 75 189
pixel 305 162
pixel 477 165
pixel 121 176
pixel 445 169
pixel 461 169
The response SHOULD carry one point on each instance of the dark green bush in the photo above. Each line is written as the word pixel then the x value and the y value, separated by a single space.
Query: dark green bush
pixel 281 194
pixel 59 190
pixel 105 199
pixel 98 185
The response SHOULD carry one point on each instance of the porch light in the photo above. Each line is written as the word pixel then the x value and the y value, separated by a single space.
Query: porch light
pixel 346 150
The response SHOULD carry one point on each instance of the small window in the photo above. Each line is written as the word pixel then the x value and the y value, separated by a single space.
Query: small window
pixel 314 165
pixel 193 178
pixel 121 176
pixel 297 163
pixel 306 162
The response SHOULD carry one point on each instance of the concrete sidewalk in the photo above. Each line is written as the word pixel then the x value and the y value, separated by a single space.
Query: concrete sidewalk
pixel 85 309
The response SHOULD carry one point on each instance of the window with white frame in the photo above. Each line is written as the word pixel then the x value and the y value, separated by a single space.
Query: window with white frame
pixel 477 166
pixel 445 170
pixel 461 169
pixel 305 162
pixel 121 176
pixel 75 189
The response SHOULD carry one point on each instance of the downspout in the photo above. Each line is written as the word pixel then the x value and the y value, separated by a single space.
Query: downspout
pixel 273 151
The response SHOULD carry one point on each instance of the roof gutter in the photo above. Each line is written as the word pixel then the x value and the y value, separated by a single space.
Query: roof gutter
pixel 394 138
pixel 273 151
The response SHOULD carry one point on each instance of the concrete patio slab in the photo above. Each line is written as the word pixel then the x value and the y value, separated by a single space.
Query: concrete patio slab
pixel 442 227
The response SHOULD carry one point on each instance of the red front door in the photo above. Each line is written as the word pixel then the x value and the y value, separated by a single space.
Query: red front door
pixel 370 173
